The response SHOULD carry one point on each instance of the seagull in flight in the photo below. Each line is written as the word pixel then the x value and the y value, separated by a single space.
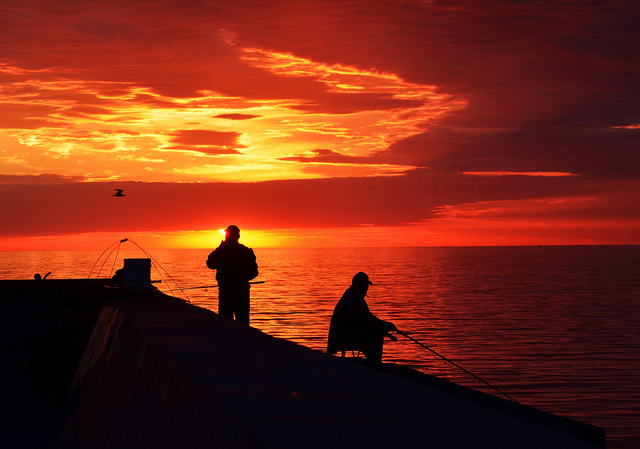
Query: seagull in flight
pixel 118 192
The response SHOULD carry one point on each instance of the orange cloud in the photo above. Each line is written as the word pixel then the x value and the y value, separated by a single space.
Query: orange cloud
pixel 131 132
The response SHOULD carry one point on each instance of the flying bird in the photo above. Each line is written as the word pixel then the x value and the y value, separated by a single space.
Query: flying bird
pixel 118 193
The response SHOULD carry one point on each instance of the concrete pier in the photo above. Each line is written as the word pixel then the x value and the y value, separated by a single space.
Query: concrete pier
pixel 159 373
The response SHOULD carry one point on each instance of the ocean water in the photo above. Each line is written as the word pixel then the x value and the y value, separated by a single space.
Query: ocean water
pixel 556 328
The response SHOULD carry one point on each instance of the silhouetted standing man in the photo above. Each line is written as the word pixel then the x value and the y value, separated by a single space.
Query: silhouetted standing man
pixel 353 326
pixel 236 266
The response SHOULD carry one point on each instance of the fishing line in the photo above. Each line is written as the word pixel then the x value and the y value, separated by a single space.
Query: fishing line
pixel 107 258
pixel 456 365
pixel 157 264
pixel 213 286
pixel 159 268
pixel 115 258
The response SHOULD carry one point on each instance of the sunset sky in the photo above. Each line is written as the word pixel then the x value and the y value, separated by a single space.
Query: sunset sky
pixel 319 123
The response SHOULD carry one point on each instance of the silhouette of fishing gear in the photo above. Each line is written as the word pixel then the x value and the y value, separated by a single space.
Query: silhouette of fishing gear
pixel 159 268
pixel 456 365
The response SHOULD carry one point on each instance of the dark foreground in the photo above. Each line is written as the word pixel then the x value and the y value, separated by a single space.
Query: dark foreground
pixel 130 367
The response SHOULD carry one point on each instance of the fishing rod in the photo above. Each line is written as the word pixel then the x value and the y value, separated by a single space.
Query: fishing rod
pixel 159 268
pixel 456 365
pixel 113 248
pixel 212 286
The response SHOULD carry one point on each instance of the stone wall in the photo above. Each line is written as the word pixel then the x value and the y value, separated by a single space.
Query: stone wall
pixel 158 373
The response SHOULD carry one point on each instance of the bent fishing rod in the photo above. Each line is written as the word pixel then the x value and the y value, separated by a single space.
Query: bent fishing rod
pixel 456 365
pixel 212 286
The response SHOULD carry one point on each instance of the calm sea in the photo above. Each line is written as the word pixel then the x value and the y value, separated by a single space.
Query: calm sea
pixel 555 328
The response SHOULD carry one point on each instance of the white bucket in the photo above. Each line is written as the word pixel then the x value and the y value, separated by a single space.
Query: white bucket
pixel 137 272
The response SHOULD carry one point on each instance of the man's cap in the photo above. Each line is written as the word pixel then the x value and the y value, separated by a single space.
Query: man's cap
pixel 361 278
pixel 232 230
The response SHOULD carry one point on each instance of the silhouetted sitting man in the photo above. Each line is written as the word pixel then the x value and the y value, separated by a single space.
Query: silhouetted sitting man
pixel 236 266
pixel 353 326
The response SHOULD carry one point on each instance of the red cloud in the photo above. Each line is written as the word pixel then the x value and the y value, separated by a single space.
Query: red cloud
pixel 206 137
pixel 206 141
pixel 237 116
